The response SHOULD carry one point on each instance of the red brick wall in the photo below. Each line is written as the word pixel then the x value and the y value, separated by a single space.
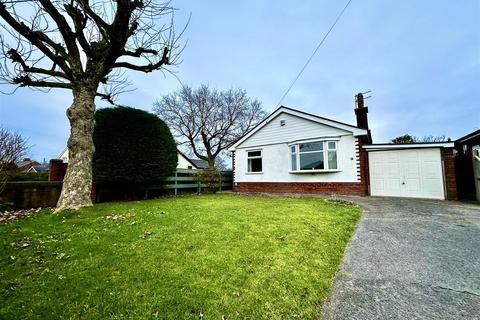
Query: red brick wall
pixel 57 170
pixel 450 177
pixel 93 195
pixel 347 188
pixel 363 163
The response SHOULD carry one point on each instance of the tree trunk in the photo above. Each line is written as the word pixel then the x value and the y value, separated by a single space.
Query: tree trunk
pixel 211 163
pixel 77 184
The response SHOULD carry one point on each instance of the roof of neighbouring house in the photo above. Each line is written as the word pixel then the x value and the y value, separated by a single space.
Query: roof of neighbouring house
pixel 197 163
pixel 200 164
pixel 42 168
pixel 27 163
pixel 471 135
pixel 282 109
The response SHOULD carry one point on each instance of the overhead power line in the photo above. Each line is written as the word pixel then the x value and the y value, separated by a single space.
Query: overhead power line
pixel 314 52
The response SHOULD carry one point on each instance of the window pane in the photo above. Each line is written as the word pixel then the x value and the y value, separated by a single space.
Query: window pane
pixel 332 160
pixel 255 165
pixel 254 153
pixel 292 149
pixel 331 145
pixel 310 161
pixel 317 146
pixel 294 162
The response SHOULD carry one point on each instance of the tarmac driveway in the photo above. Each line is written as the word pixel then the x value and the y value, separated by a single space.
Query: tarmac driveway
pixel 410 259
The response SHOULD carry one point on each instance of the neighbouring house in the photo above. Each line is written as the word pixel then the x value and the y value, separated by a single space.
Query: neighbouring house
pixel 39 168
pixel 296 152
pixel 468 165
pixel 185 162
pixel 63 155
pixel 27 164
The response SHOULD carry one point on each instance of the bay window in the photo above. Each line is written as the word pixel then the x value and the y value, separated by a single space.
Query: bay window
pixel 314 156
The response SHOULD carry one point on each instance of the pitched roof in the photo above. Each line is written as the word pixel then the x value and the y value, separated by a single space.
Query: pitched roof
pixel 197 163
pixel 200 164
pixel 469 136
pixel 356 131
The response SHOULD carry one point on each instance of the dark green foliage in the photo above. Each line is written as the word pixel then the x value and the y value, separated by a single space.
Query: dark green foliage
pixel 132 147
pixel 28 176
pixel 406 138
pixel 6 206
pixel 211 177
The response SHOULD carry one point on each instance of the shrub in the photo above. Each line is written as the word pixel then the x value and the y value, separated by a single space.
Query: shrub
pixel 211 177
pixel 28 176
pixel 132 147
pixel 6 206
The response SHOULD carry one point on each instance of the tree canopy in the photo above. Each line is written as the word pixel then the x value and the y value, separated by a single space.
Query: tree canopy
pixel 84 46
pixel 209 120
pixel 13 146
pixel 407 138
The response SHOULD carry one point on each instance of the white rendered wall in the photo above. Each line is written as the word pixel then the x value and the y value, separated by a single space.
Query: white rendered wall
pixel 276 164
pixel 183 163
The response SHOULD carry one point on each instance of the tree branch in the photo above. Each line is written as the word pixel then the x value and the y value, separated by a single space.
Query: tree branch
pixel 16 57
pixel 38 39
pixel 26 81
pixel 145 68
pixel 63 28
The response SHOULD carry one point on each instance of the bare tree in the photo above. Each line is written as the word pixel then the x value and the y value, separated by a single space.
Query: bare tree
pixel 208 120
pixel 13 147
pixel 82 45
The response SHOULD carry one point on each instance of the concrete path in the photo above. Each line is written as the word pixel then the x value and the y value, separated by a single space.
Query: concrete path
pixel 410 259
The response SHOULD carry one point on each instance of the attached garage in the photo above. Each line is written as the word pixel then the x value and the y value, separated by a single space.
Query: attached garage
pixel 408 170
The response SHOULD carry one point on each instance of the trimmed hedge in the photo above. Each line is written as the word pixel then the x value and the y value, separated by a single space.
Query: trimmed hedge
pixel 132 146
pixel 28 176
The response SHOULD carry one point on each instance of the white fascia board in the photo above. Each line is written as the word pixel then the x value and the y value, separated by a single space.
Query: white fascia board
pixel 354 130
pixel 379 147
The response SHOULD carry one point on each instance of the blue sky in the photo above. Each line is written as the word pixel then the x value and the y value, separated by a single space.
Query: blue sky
pixel 421 59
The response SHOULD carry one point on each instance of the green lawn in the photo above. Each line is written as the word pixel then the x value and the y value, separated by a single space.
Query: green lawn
pixel 237 256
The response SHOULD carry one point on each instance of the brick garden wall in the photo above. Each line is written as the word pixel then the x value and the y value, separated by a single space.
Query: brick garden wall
pixel 449 173
pixel 347 188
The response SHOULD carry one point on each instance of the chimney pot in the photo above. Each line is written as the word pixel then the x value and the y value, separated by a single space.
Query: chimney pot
pixel 359 100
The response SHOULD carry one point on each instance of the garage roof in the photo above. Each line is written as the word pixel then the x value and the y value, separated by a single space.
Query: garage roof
pixel 417 145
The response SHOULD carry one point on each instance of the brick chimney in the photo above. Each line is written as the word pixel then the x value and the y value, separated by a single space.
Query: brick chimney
pixel 362 118
pixel 57 170
pixel 361 111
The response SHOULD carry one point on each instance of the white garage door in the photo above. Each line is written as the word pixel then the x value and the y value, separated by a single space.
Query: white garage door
pixel 415 173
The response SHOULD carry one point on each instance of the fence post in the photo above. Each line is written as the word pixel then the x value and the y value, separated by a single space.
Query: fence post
pixel 175 183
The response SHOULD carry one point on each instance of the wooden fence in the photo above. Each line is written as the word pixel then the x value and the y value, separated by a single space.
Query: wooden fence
pixel 182 180
pixel 32 194
pixel 185 179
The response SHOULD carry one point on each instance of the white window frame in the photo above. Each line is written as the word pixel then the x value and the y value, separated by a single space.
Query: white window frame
pixel 325 150
pixel 254 157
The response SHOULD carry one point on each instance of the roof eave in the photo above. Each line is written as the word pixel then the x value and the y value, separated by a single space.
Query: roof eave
pixel 389 146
